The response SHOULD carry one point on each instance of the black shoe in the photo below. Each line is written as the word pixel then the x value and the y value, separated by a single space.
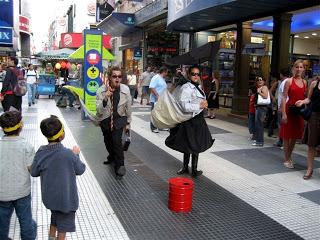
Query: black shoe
pixel 183 170
pixel 194 165
pixel 121 171
pixel 29 104
pixel 109 161
pixel 33 102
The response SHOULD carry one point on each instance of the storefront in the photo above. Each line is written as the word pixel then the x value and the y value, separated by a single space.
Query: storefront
pixel 246 49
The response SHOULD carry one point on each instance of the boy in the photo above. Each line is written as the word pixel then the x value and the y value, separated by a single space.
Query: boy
pixel 16 156
pixel 58 166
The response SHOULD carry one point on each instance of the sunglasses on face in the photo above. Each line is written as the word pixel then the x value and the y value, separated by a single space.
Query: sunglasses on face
pixel 116 76
pixel 259 79
pixel 194 74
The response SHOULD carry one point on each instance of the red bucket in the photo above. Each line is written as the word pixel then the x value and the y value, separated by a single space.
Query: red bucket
pixel 180 194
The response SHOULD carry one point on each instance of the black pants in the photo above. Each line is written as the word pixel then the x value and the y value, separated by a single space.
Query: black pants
pixel 11 100
pixel 113 143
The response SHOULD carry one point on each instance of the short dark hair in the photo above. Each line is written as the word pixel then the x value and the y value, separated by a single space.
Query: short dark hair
pixel 15 60
pixel 10 119
pixel 285 72
pixel 163 69
pixel 193 67
pixel 50 127
pixel 115 68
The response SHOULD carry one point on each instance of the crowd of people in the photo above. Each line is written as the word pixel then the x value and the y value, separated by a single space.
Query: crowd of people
pixel 58 166
pixel 288 99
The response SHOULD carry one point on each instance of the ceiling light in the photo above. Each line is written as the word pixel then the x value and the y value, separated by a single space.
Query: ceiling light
pixel 296 36
pixel 314 34
pixel 308 54
pixel 306 37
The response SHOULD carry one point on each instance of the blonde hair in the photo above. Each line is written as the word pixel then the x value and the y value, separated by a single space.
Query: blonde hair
pixel 296 63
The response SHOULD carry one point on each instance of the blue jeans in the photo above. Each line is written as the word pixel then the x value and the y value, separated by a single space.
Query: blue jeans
pixel 151 125
pixel 31 92
pixel 22 206
pixel 259 126
pixel 251 117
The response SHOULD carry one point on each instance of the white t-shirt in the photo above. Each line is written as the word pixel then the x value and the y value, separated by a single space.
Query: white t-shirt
pixel 31 76
pixel 280 92
pixel 132 80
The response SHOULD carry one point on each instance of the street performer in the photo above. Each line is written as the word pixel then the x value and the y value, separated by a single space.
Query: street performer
pixel 114 108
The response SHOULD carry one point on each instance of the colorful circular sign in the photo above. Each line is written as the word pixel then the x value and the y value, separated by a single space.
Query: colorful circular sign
pixel 93 72
pixel 93 58
pixel 92 87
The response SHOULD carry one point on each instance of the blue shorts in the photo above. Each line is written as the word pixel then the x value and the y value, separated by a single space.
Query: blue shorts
pixel 145 90
pixel 64 222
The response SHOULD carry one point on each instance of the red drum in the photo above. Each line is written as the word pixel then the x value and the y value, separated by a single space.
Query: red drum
pixel 180 194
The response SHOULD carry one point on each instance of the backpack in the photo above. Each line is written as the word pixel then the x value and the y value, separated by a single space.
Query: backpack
pixel 20 88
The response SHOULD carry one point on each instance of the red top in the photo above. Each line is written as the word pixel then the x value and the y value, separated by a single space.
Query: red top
pixel 295 92
pixel 251 103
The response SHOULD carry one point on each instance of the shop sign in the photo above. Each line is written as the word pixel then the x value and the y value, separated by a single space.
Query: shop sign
pixel 75 40
pixel 6 36
pixel 6 16
pixel 24 24
pixel 137 53
pixel 71 40
pixel 93 43
pixel 151 11
pixel 91 9
pixel 255 49
pixel 104 8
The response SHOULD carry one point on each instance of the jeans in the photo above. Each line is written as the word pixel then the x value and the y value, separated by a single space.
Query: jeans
pixel 259 127
pixel 31 92
pixel 151 125
pixel 251 117
pixel 22 206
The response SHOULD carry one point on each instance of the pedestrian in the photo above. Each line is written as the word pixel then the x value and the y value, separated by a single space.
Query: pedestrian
pixel 213 96
pixel 312 130
pixel 132 83
pixel 58 166
pixel 114 108
pixel 145 82
pixel 262 101
pixel 252 112
pixel 7 96
pixel 32 79
pixel 16 156
pixel 292 123
pixel 284 75
pixel 157 86
pixel 192 136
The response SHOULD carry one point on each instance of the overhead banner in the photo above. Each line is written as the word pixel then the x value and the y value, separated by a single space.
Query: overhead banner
pixel 93 41
pixel 6 22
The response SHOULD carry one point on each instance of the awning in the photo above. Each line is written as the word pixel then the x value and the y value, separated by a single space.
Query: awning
pixel 198 55
pixel 79 54
pixel 7 51
pixel 56 54
pixel 201 15
pixel 118 24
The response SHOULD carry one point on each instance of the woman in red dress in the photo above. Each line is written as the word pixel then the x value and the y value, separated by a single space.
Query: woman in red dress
pixel 292 123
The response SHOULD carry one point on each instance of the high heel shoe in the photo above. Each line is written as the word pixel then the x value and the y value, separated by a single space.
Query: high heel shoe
pixel 308 176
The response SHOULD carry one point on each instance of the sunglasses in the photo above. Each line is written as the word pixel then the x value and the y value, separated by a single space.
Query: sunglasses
pixel 116 76
pixel 195 74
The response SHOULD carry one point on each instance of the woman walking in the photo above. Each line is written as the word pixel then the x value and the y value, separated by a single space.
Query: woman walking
pixel 312 130
pixel 292 123
pixel 213 96
pixel 193 136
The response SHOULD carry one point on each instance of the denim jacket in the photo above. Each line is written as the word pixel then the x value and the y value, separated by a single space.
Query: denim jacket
pixel 190 98
pixel 124 106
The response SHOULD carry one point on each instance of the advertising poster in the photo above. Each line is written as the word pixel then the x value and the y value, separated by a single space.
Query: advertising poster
pixel 6 22
pixel 92 67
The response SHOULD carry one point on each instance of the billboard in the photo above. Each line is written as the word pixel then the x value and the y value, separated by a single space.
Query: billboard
pixel 6 22
pixel 104 8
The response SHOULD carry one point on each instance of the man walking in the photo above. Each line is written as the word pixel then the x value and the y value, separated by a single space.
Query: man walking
pixel 31 76
pixel 157 86
pixel 144 82
pixel 114 108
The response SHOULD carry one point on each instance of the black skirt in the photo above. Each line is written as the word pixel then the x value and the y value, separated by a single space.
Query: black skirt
pixel 213 103
pixel 192 136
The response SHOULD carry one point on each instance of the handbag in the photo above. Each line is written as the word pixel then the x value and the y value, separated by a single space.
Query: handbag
pixel 306 112
pixel 263 101
pixel 127 140
pixel 294 110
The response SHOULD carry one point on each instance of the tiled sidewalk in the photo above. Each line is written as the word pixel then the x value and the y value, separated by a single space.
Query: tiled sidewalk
pixel 95 218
